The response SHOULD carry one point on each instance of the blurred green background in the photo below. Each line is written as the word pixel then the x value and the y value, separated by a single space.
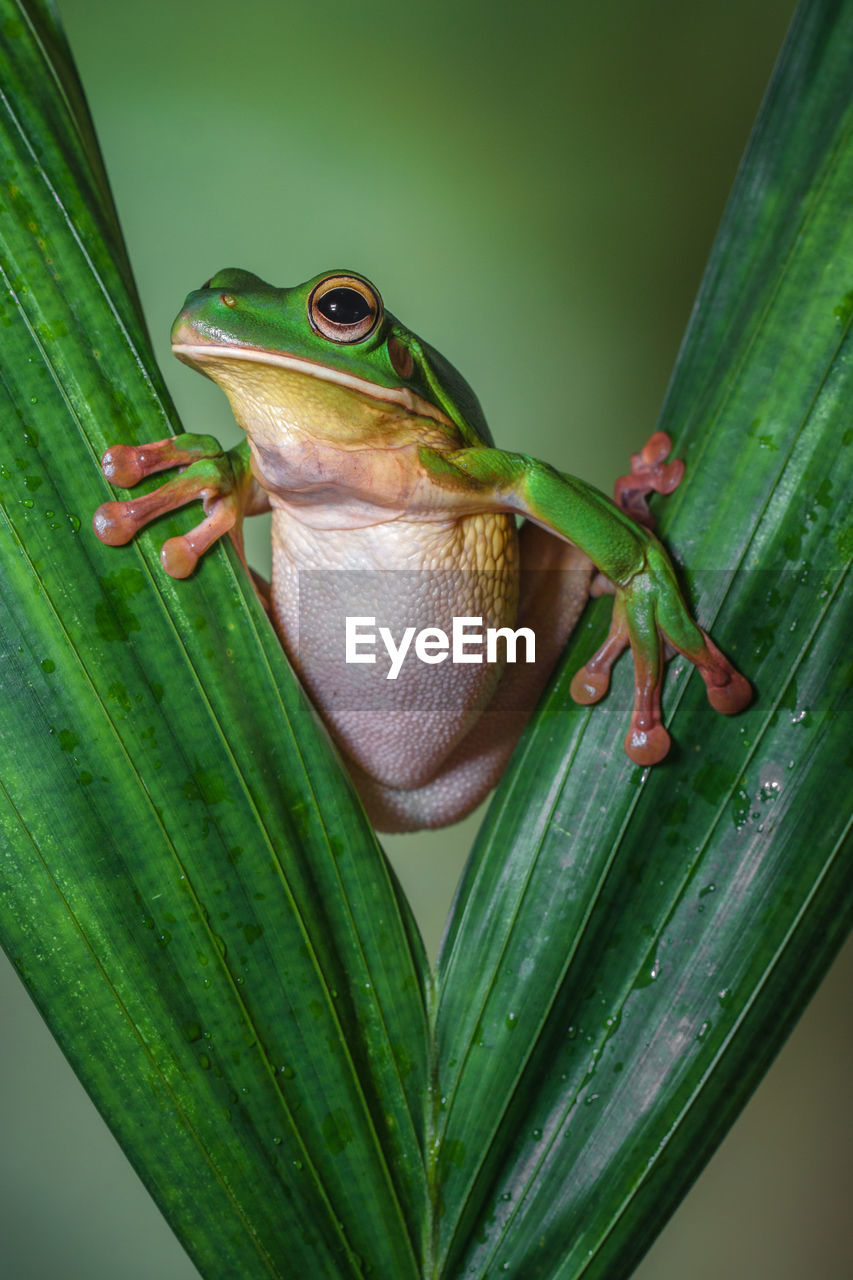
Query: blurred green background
pixel 535 191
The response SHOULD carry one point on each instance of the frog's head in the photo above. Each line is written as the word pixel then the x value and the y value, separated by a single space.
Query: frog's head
pixel 325 351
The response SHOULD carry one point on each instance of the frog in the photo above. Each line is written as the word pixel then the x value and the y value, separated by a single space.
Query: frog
pixel 391 507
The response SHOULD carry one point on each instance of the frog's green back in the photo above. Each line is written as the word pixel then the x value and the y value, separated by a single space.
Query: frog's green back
pixel 445 386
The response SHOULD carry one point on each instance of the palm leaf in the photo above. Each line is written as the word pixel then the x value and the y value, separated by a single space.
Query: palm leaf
pixel 627 953
pixel 204 916
pixel 191 891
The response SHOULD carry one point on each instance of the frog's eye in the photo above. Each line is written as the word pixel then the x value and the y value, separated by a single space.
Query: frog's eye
pixel 344 308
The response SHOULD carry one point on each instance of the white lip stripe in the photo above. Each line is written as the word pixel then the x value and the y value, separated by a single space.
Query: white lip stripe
pixel 397 395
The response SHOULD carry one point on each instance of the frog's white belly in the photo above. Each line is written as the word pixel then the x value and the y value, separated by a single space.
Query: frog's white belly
pixel 404 574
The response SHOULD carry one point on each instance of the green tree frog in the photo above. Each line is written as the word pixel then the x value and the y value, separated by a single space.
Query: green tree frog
pixel 394 527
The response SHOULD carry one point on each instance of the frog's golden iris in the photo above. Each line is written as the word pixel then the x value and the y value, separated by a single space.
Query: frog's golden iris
pixel 344 308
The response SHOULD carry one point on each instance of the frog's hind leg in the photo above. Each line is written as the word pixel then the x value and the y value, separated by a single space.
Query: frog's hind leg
pixel 552 597
pixel 650 473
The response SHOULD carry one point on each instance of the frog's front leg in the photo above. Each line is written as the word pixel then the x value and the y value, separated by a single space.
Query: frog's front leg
pixel 648 610
pixel 222 480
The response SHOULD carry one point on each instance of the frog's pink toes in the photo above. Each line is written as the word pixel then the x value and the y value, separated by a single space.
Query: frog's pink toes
pixel 647 742
pixel 592 681
pixel 650 473
pixel 728 691
pixel 112 524
pixel 209 476
pixel 222 481
pixel 117 522
pixel 179 556
pixel 647 746
pixel 125 465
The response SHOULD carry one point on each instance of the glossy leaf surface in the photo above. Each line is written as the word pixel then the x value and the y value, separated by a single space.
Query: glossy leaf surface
pixel 628 951
pixel 190 889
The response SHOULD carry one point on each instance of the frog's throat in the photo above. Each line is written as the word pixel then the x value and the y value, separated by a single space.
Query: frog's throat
pixel 199 354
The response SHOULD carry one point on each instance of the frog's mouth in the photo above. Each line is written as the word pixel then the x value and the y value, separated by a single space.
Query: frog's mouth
pixel 198 354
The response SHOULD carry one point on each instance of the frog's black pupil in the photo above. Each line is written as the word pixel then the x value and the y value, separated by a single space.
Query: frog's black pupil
pixel 344 306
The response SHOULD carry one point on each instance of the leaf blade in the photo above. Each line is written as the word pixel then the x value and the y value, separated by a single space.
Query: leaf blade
pixel 241 957
pixel 770 299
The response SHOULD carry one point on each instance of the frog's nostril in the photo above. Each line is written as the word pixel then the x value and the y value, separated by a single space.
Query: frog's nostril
pixel 228 299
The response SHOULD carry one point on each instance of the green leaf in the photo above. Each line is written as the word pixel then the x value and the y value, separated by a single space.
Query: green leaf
pixel 627 952
pixel 190 889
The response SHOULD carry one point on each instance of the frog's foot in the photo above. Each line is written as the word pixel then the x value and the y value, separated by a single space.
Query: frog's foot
pixel 650 473
pixel 648 614
pixel 221 480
